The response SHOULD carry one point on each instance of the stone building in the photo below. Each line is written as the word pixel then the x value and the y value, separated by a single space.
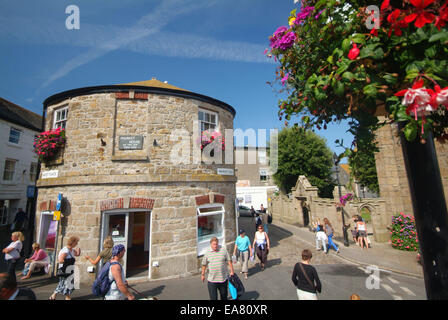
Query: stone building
pixel 254 176
pixel 132 168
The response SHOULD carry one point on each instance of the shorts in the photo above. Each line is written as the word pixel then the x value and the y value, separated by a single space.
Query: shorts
pixel 362 234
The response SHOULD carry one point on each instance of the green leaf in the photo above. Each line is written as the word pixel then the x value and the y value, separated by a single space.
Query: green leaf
pixel 346 45
pixel 370 90
pixel 339 88
pixel 401 115
pixel 348 76
pixel 442 36
pixel 359 38
pixel 410 131
pixel 390 79
pixel 431 52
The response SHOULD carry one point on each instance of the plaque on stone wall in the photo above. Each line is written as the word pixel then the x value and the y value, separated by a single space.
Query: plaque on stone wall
pixel 130 143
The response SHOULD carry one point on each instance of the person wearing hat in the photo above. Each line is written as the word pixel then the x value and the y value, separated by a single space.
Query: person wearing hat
pixel 242 243
pixel 118 289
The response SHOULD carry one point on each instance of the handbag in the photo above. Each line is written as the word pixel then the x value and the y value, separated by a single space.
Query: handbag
pixel 306 276
pixel 62 270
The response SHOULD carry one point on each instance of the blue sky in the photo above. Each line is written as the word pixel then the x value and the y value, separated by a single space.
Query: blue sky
pixel 210 47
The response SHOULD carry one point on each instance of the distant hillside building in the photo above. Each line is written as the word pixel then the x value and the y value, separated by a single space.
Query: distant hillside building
pixel 18 162
pixel 117 177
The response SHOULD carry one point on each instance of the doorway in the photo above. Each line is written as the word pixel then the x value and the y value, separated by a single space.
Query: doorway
pixel 131 229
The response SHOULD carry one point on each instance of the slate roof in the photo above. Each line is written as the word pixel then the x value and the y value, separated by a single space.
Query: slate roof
pixel 15 114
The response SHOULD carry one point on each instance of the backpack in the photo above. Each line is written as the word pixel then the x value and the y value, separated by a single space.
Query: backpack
pixel 269 219
pixel 237 284
pixel 258 221
pixel 102 284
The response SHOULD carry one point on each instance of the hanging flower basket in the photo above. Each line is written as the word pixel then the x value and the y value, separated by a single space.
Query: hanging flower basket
pixel 48 144
pixel 209 137
pixel 345 198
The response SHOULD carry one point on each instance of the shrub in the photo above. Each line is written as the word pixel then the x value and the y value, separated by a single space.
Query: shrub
pixel 403 233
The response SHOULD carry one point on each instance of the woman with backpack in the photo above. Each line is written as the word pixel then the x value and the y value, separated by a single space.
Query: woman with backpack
pixel 118 288
pixel 66 259
pixel 12 253
pixel 328 228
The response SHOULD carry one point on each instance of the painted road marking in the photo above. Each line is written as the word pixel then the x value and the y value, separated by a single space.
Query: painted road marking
pixel 388 288
pixel 409 292
pixel 393 280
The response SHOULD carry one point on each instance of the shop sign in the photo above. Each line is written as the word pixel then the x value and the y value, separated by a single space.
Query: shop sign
pixel 130 143
pixel 225 172
pixel 50 174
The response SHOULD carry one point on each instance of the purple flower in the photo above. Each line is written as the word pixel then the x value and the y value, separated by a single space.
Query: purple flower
pixel 318 15
pixel 285 78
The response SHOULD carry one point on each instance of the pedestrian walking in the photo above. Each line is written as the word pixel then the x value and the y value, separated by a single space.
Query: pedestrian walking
pixel 321 239
pixel 264 219
pixel 12 253
pixel 362 233
pixel 119 286
pixel 262 246
pixel 355 229
pixel 39 260
pixel 252 211
pixel 217 260
pixel 305 278
pixel 66 270
pixel 262 209
pixel 10 291
pixel 105 255
pixel 329 232
pixel 242 244
pixel 19 220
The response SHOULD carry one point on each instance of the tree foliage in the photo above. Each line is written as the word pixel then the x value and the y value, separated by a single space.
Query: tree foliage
pixel 303 152
pixel 333 67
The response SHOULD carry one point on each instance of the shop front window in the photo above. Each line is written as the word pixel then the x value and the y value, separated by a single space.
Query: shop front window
pixel 210 225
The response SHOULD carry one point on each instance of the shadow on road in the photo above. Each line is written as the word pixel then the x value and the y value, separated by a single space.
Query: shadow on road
pixel 250 295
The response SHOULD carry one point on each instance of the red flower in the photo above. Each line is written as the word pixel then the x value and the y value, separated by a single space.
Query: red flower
pixel 395 24
pixel 385 5
pixel 421 17
pixel 443 16
pixel 354 52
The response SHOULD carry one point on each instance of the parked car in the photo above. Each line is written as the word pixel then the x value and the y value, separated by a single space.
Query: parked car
pixel 244 211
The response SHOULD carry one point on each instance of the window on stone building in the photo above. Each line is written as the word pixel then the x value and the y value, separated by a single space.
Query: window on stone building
pixel 33 171
pixel 60 118
pixel 210 224
pixel 208 121
pixel 14 135
pixel 10 168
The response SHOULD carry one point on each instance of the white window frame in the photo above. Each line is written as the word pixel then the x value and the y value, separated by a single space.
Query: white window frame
pixel 61 122
pixel 12 172
pixel 203 122
pixel 11 130
pixel 204 244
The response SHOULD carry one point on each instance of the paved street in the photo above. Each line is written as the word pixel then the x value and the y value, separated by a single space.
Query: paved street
pixel 340 278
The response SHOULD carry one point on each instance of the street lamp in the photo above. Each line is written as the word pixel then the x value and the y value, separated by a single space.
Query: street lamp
pixel 344 227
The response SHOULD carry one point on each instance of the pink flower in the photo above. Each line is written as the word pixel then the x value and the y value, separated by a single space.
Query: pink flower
pixel 285 78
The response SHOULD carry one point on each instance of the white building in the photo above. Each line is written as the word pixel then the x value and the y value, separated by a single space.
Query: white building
pixel 254 177
pixel 18 162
